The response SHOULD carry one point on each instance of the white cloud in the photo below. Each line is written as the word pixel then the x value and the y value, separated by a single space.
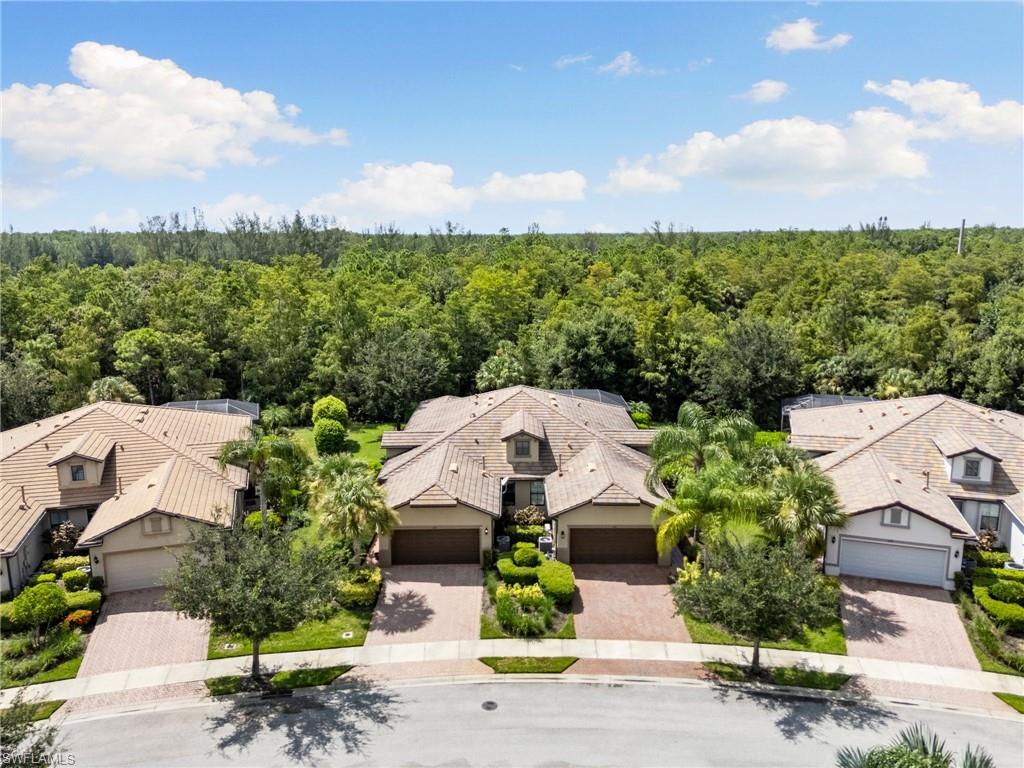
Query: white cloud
pixel 638 177
pixel 25 196
pixel 126 220
pixel 802 35
pixel 766 91
pixel 554 185
pixel 223 211
pixel 570 59
pixel 697 64
pixel 137 116
pixel 627 64
pixel 958 110
pixel 517 67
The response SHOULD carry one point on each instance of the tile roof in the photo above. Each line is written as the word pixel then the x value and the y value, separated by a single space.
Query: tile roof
pixel 522 423
pixel 835 426
pixel 470 430
pixel 602 473
pixel 142 438
pixel 954 442
pixel 93 446
pixel 870 481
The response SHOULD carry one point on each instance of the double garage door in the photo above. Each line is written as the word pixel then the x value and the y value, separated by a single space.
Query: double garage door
pixel 435 546
pixel 881 560
pixel 139 569
pixel 612 545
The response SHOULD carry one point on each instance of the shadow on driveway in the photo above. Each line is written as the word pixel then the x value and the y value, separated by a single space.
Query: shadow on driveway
pixel 402 612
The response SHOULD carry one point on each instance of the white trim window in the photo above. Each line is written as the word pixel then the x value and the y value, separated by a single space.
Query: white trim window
pixel 523 448
pixel 77 472
pixel 897 517
pixel 988 516
pixel 537 493
pixel 972 468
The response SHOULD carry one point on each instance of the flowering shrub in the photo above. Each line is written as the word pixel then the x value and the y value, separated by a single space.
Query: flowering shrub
pixel 77 619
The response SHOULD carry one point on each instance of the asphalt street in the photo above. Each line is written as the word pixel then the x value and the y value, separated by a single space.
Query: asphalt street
pixel 523 723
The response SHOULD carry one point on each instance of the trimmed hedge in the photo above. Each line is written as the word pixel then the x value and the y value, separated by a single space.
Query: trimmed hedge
pixel 84 601
pixel 62 565
pixel 527 556
pixel 1008 591
pixel 515 574
pixel 989 559
pixel 557 580
pixel 361 590
pixel 1009 616
pixel 329 437
pixel 75 581
pixel 987 575
pixel 528 533
pixel 330 407
pixel 41 578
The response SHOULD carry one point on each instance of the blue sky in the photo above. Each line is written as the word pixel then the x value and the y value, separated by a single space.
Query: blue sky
pixel 579 117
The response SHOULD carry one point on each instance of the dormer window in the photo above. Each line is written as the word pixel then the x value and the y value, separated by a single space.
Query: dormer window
pixel 523 448
pixel 972 468
pixel 77 473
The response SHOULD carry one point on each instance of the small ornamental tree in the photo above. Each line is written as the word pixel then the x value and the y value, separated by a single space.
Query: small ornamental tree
pixel 756 590
pixel 331 407
pixel 39 607
pixel 329 437
pixel 914 747
pixel 64 537
pixel 251 584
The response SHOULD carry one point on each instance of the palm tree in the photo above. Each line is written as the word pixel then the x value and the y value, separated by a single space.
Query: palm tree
pixel 914 746
pixel 350 501
pixel 261 454
pixel 114 388
pixel 276 418
pixel 706 500
pixel 696 439
pixel 803 503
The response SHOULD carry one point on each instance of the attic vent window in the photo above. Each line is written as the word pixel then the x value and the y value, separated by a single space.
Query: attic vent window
pixel 453 467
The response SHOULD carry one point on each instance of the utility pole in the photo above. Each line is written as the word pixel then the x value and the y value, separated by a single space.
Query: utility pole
pixel 960 240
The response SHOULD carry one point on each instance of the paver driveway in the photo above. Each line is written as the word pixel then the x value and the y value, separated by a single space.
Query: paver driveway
pixel 903 622
pixel 425 603
pixel 136 630
pixel 626 602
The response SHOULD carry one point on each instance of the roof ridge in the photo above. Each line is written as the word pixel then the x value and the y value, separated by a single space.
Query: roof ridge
pixel 86 410
pixel 164 481
pixel 964 406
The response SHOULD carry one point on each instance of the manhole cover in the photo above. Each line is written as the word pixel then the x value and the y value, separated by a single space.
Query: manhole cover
pixel 230 647
pixel 347 635
pixel 489 706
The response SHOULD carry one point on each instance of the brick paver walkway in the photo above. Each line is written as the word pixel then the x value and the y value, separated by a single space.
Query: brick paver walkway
pixel 626 602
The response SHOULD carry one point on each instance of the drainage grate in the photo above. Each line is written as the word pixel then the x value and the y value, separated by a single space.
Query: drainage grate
pixel 229 647
pixel 347 635
pixel 489 706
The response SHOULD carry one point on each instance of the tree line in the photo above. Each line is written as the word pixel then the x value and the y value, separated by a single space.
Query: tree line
pixel 284 312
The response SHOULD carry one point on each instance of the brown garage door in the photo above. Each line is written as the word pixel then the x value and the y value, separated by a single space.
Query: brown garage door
pixel 612 545
pixel 437 545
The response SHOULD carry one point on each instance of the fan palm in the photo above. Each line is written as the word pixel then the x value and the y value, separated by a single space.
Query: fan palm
pixel 803 503
pixel 350 501
pixel 914 747
pixel 696 439
pixel 261 454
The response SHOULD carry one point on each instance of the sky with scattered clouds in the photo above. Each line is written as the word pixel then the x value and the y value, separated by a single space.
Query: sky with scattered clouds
pixel 577 117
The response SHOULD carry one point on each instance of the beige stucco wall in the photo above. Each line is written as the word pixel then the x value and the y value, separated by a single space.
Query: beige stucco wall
pixel 522 488
pixel 93 473
pixel 922 531
pixel 131 537
pixel 510 450
pixel 458 516
pixel 23 563
pixel 600 516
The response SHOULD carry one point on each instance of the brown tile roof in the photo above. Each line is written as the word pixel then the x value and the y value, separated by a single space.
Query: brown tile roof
pixel 405 438
pixel 142 438
pixel 445 475
pixel 521 423
pixel 19 514
pixel 473 427
pixel 602 473
pixel 93 446
pixel 870 481
pixel 954 442
pixel 835 426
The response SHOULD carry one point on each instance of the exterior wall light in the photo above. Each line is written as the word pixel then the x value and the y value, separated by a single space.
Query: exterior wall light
pixel 833 539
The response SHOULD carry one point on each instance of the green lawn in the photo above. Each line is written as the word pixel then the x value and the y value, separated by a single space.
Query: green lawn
pixel 519 665
pixel 827 639
pixel 310 635
pixel 794 676
pixel 363 439
pixel 65 670
pixel 295 678
pixel 1014 700
pixel 43 709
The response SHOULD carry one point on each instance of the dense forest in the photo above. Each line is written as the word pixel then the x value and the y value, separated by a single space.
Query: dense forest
pixel 284 312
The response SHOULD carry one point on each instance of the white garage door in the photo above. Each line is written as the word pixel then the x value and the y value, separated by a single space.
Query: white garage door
pixel 878 560
pixel 140 569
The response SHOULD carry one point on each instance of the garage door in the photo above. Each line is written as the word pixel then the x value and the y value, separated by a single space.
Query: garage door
pixel 435 546
pixel 140 569
pixel 612 545
pixel 879 560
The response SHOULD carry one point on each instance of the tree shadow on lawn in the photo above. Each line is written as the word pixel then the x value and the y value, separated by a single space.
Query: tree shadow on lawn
pixel 800 714
pixel 401 612
pixel 312 725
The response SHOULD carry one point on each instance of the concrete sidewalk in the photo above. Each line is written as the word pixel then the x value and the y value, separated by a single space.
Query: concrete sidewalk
pixel 872 669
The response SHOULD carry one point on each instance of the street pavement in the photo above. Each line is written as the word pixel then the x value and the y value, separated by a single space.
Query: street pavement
pixel 510 722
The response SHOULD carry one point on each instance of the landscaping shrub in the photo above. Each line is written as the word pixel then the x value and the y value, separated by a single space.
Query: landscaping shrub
pixel 62 643
pixel 523 610
pixel 988 575
pixel 769 438
pixel 254 521
pixel 988 540
pixel 329 437
pixel 7 624
pixel 488 558
pixel 361 589
pixel 1008 592
pixel 527 556
pixel 75 581
pixel 62 565
pixel 528 533
pixel 17 644
pixel 42 578
pixel 530 515
pixel 557 581
pixel 87 601
pixel 991 559
pixel 39 606
pixel 79 618
pixel 1007 615
pixel 332 408
pixel 515 574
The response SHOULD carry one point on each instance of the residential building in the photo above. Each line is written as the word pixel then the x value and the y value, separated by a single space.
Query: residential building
pixel 920 478
pixel 132 477
pixel 461 462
